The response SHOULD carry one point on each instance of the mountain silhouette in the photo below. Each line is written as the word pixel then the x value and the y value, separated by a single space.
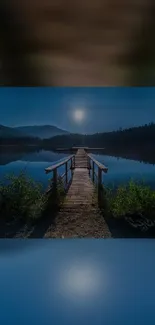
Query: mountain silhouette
pixel 36 131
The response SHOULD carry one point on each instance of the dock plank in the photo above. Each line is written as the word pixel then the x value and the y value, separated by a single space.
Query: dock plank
pixel 80 215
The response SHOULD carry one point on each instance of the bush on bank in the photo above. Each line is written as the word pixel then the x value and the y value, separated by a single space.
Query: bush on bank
pixel 131 199
pixel 21 198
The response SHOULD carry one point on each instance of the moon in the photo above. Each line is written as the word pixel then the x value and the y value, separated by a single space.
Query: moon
pixel 79 115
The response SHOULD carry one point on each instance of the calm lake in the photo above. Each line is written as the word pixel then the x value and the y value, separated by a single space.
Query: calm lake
pixel 67 282
pixel 33 163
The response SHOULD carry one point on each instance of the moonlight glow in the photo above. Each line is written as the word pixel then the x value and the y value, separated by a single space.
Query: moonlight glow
pixel 80 281
pixel 78 115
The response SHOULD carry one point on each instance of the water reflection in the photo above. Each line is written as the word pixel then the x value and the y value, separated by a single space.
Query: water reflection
pixel 33 161
pixel 30 154
pixel 121 170
pixel 80 280
pixel 37 286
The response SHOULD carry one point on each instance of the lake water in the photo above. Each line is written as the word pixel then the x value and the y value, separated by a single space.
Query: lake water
pixel 33 163
pixel 121 170
pixel 77 282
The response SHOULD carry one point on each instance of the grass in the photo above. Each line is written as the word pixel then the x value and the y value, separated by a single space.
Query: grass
pixel 132 199
pixel 22 199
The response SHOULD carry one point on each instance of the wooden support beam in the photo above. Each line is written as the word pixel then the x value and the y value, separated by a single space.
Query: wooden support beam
pixel 66 171
pixel 98 164
pixel 93 172
pixel 99 184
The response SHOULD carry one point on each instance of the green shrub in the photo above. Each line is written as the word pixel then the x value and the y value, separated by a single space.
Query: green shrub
pixel 131 199
pixel 21 198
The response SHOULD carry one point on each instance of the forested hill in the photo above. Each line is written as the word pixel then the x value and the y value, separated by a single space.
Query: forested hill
pixel 132 137
pixel 126 139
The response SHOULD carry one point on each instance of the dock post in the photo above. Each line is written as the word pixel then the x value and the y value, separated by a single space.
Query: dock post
pixel 55 183
pixel 66 171
pixel 72 164
pixel 71 167
pixel 99 184
pixel 93 172
pixel 88 163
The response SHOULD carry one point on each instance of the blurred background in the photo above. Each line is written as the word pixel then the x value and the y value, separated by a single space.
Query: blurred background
pixel 77 43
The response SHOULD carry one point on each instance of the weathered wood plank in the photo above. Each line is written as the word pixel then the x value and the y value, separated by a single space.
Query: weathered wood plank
pixel 51 168
pixel 98 164
pixel 80 216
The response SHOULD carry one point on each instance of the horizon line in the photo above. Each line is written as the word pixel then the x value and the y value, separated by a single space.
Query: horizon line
pixel 81 133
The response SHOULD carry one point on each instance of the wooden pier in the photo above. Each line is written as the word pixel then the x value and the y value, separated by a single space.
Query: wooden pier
pixel 80 215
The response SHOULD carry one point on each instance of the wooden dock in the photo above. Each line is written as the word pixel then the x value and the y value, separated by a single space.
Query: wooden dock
pixel 79 215
pixel 74 149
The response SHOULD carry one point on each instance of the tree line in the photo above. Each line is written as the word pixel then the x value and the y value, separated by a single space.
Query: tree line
pixel 131 137
pixel 134 137
pixel 19 141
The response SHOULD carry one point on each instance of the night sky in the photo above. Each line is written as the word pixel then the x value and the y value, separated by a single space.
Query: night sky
pixel 105 108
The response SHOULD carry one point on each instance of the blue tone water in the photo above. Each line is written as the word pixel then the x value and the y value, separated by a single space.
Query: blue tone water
pixel 122 170
pixel 119 170
pixel 32 164
pixel 77 282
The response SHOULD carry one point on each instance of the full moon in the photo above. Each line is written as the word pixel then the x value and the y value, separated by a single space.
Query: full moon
pixel 78 115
